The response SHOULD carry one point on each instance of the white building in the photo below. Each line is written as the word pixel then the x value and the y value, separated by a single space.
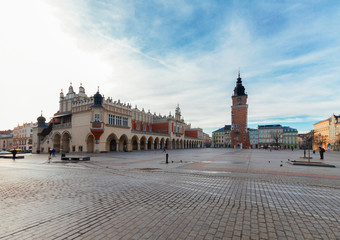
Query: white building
pixel 96 124
pixel 22 136
pixel 6 140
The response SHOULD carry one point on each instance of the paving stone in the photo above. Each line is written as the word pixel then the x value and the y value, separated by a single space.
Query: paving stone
pixel 103 200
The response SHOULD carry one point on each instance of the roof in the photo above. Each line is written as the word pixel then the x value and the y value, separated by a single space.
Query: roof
pixel 269 126
pixel 63 115
pixel 219 130
pixel 227 127
pixel 289 129
pixel 323 121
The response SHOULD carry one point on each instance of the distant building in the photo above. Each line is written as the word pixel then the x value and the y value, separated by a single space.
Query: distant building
pixel 206 140
pixel 290 138
pixel 253 137
pixel 321 134
pixel 98 124
pixel 301 142
pixel 270 136
pixel 327 133
pixel 221 137
pixel 218 138
pixel 22 136
pixel 239 116
pixel 227 136
pixel 6 140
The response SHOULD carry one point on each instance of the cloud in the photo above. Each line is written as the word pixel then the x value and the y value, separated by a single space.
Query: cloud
pixel 163 53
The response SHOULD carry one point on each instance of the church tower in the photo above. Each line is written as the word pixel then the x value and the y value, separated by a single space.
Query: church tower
pixel 239 116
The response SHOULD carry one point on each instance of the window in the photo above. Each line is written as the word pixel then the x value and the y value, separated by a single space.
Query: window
pixel 118 120
pixel 125 122
pixel 96 117
pixel 112 119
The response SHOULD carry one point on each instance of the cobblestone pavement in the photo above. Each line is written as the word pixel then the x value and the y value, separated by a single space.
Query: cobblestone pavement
pixel 140 197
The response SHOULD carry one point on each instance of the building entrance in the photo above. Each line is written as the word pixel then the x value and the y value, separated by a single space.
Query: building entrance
pixel 113 146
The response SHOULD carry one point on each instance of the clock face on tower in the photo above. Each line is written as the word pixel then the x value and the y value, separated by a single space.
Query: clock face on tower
pixel 239 99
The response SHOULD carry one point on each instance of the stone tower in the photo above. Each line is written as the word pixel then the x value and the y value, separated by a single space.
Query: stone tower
pixel 239 116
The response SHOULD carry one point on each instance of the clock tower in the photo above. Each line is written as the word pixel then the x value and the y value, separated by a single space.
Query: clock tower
pixel 239 116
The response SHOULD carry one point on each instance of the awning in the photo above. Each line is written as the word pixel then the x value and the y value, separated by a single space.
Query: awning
pixel 63 115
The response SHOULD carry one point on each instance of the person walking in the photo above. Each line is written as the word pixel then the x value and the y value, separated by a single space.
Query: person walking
pixel 49 155
pixel 14 152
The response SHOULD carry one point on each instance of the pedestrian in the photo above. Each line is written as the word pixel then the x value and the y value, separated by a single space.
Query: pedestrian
pixel 164 149
pixel 292 148
pixel 53 152
pixel 321 151
pixel 14 152
pixel 49 155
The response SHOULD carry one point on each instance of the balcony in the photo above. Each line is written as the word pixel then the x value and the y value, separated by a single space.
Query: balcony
pixel 62 125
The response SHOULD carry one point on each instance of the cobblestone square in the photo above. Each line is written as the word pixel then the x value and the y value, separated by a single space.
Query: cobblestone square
pixel 200 194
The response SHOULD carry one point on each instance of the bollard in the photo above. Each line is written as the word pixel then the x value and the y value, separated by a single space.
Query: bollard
pixel 166 158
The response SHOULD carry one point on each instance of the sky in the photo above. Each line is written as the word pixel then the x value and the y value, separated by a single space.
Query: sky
pixel 157 54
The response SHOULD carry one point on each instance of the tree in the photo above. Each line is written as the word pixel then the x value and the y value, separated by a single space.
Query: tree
pixel 309 139
pixel 276 136
pixel 320 140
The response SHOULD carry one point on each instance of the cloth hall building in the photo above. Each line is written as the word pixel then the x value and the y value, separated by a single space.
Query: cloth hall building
pixel 98 124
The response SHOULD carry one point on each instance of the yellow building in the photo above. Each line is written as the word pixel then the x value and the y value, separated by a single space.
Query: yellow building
pixel 321 134
pixel 221 137
pixel 327 133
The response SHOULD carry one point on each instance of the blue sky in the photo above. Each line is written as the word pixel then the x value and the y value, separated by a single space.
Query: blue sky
pixel 157 54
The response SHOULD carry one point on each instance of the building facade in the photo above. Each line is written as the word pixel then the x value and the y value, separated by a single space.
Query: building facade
pixel 270 136
pixel 6 140
pixel 239 116
pixel 221 137
pixel 96 124
pixel 22 137
pixel 218 138
pixel 253 138
pixel 327 133
pixel 206 140
pixel 290 138
pixel 321 134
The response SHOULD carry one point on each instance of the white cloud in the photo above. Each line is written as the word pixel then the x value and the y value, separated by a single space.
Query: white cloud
pixel 46 46
pixel 38 59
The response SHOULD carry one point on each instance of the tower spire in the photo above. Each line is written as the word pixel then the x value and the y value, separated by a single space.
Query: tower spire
pixel 239 74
